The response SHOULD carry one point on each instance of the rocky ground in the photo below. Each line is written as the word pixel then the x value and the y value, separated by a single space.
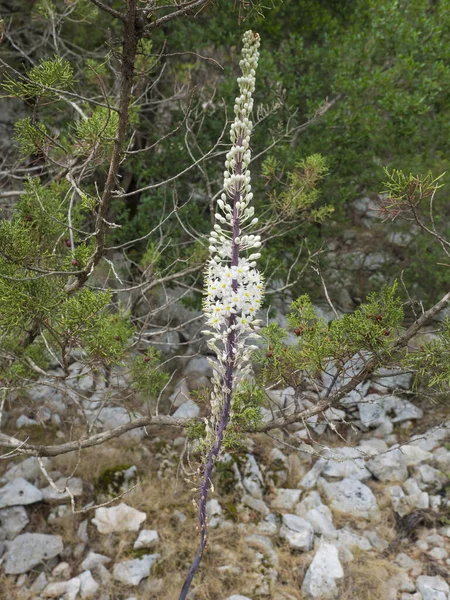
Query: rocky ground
pixel 355 505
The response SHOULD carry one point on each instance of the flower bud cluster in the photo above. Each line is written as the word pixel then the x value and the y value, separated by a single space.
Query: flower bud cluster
pixel 234 286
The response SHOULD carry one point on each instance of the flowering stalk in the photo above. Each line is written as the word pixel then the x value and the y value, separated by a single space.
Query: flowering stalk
pixel 234 286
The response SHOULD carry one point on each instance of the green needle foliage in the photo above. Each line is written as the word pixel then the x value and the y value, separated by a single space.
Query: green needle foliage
pixel 43 81
pixel 369 329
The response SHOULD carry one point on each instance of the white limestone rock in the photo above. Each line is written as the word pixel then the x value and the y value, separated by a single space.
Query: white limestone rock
pixel 19 493
pixel 345 462
pixel 30 549
pixel 255 504
pixel 310 479
pixel 350 496
pixel 93 560
pixel 148 538
pixel 132 572
pixel 28 469
pixel 118 518
pixel 286 499
pixel 63 589
pixel 252 479
pixel 433 588
pixel 414 455
pixel 75 486
pixel 325 569
pixel 298 532
pixel 390 466
pixel 321 520
pixel 187 410
pixel 89 587
pixel 12 521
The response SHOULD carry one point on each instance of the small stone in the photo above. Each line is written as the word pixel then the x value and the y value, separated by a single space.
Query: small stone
pixel 148 538
pixel 93 560
pixel 187 410
pixel 438 553
pixel 414 567
pixel 390 466
pixel 238 597
pixel 39 584
pixel 118 518
pixel 286 499
pixel 257 505
pixel 321 520
pixel 325 569
pixel 350 496
pixel 253 480
pixel 132 572
pixel 268 526
pixel 62 570
pixel 75 485
pixel 89 587
pixel 19 493
pixel 298 532
pixel 66 589
pixel 310 479
pixel 29 549
pixel 345 462
pixel 28 469
pixel 371 411
pixel 414 455
pixel 433 588
pixel 12 521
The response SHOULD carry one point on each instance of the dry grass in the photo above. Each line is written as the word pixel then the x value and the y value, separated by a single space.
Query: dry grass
pixel 365 578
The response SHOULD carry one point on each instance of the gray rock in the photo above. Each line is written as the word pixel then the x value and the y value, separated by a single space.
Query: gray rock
pixel 433 588
pixel 28 469
pixel 29 550
pixel 93 560
pixel 255 504
pixel 89 587
pixel 63 589
pixel 414 455
pixel 114 416
pixel 325 569
pixel 214 513
pixel 430 477
pixel 24 421
pixel 75 486
pixel 310 479
pixel 199 365
pixel 19 493
pixel 350 496
pixel 118 518
pixel 348 540
pixel 238 597
pixel 345 462
pixel 390 378
pixel 390 466
pixel 12 521
pixel 431 438
pixel 321 520
pixel 286 499
pixel 148 538
pixel 371 411
pixel 132 572
pixel 372 447
pixel 187 410
pixel 252 479
pixel 442 459
pixel 264 545
pixel 268 526
pixel 298 532
pixel 39 584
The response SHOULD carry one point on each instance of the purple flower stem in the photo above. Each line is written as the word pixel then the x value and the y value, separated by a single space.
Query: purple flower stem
pixel 225 416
